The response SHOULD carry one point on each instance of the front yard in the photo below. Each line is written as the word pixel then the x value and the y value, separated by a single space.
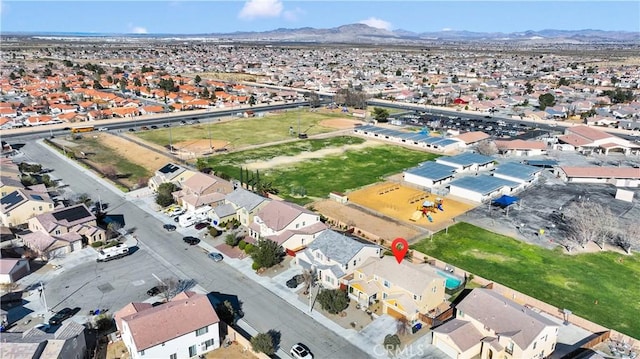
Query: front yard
pixel 602 287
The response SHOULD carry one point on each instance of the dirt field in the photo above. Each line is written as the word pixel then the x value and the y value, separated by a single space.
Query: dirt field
pixel 137 154
pixel 403 203
pixel 199 147
pixel 341 123
pixel 380 226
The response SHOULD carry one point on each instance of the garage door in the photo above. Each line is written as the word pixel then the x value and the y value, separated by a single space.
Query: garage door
pixel 394 313
pixel 446 348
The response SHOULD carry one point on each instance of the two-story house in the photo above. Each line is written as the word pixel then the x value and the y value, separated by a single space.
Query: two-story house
pixel 333 255
pixel 288 224
pixel 74 219
pixel 245 204
pixel 170 173
pixel 202 190
pixel 9 177
pixel 489 325
pixel 404 290
pixel 42 341
pixel 18 206
pixel 184 327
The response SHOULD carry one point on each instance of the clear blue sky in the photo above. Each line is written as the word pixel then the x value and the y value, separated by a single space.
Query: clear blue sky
pixel 196 17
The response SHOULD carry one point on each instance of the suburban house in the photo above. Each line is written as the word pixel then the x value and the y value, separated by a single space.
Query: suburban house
pixel 333 255
pixel 202 190
pixel 74 219
pixel 10 177
pixel 246 205
pixel 170 173
pixel 67 341
pixel 430 174
pixel 288 224
pixel 617 176
pixel 12 269
pixel 18 206
pixel 587 140
pixel 521 147
pixel 405 290
pixel 184 327
pixel 489 325
pixel 467 162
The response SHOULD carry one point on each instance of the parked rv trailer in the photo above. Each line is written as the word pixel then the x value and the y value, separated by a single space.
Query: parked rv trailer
pixel 115 252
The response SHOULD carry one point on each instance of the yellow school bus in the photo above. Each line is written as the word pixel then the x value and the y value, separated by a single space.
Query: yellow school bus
pixel 82 129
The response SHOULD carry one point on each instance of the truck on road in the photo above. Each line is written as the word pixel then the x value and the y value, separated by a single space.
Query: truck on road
pixel 115 252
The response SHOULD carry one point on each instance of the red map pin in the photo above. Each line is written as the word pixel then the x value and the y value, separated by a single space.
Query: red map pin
pixel 399 247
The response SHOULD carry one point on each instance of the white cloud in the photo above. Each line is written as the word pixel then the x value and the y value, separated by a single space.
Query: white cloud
pixel 260 8
pixel 377 23
pixel 446 29
pixel 293 15
pixel 137 29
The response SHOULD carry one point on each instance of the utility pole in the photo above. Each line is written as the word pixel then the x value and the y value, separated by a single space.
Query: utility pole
pixel 170 145
pixel 44 298
pixel 210 140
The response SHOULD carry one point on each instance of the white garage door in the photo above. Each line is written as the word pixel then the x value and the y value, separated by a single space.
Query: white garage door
pixel 446 348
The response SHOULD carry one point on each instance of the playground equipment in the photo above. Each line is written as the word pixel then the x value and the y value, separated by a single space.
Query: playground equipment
pixel 387 189
pixel 426 209
pixel 417 198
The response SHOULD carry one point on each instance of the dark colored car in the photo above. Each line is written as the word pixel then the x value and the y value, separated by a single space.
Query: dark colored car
pixel 132 130
pixel 169 227
pixel 176 219
pixel 201 225
pixel 154 127
pixel 295 281
pixel 217 257
pixel 191 240
pixel 156 290
pixel 63 315
pixel 166 125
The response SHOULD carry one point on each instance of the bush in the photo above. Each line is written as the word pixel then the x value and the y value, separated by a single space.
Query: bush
pixel 263 343
pixel 213 232
pixel 112 244
pixel 97 244
pixel 255 266
pixel 267 253
pixel 231 239
pixel 241 245
pixel 333 301
pixel 391 342
pixel 104 322
pixel 248 248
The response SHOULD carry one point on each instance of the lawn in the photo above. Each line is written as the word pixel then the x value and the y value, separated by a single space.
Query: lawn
pixel 574 282
pixel 308 180
pixel 244 132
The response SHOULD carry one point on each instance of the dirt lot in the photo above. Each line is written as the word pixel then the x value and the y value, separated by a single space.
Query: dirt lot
pixel 341 123
pixel 144 157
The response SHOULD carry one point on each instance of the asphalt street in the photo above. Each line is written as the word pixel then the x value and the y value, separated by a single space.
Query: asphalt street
pixel 111 285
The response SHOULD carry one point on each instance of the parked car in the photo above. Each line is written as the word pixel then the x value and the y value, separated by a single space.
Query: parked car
pixel 201 225
pixel 300 351
pixel 169 227
pixel 132 130
pixel 166 125
pixel 217 257
pixel 63 315
pixel 156 290
pixel 144 128
pixel 295 281
pixel 191 240
pixel 154 127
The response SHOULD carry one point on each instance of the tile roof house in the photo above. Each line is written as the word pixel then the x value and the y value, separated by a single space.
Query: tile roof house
pixel 489 325
pixel 184 327
pixel 12 269
pixel 333 255
pixel 66 341
pixel 587 139
pixel 74 219
pixel 246 204
pixel 521 147
pixel 202 190
pixel 170 173
pixel 288 224
pixel 617 176
pixel 18 206
pixel 404 290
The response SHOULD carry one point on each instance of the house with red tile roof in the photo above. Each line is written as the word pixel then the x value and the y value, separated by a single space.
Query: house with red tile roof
pixel 587 139
pixel 521 147
pixel 185 327
pixel 617 176
pixel 38 120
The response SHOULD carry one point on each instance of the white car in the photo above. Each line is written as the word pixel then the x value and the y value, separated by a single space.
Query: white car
pixel 299 351
pixel 102 129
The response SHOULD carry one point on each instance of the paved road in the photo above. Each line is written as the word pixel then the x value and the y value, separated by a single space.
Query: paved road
pixel 162 253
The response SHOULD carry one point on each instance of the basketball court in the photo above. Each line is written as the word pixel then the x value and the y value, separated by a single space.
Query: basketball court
pixel 406 204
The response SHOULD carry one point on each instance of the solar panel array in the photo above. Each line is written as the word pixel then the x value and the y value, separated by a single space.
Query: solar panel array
pixel 467 159
pixel 72 214
pixel 433 171
pixel 517 170
pixel 416 137
pixel 169 168
pixel 482 184
pixel 12 199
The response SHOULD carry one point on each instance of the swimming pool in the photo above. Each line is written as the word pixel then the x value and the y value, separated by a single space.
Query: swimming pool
pixel 452 281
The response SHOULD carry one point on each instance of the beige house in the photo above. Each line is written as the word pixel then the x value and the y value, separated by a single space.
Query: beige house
pixel 405 290
pixel 170 173
pixel 75 219
pixel 246 204
pixel 9 177
pixel 18 206
pixel 202 190
pixel 585 139
pixel 488 325
pixel 521 147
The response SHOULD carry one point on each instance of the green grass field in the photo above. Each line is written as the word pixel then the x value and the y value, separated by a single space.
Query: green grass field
pixel 247 131
pixel 309 180
pixel 574 282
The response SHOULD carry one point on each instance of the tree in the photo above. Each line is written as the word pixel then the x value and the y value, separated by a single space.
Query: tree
pixel 263 343
pixel 455 79
pixel 231 239
pixel 402 326
pixel 112 229
pixel 84 199
pixel 123 84
pixel 546 100
pixel 586 221
pixel 197 80
pixel 391 342
pixel 267 253
pixel 628 237
pixel 164 196
pixel 137 82
pixel 64 87
pixel 97 85
pixel 314 99
pixel 487 148
pixel 227 312
pixel 563 82
pixel 333 301
pixel 252 100
pixel 380 114
pixel 529 87
pixel 398 73
pixel 205 93
pixel 309 276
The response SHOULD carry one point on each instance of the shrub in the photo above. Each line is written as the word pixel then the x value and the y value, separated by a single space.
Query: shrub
pixel 333 301
pixel 267 253
pixel 112 244
pixel 104 322
pixel 391 342
pixel 213 232
pixel 263 343
pixel 248 248
pixel 231 239
pixel 255 266
pixel 241 245
pixel 97 244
